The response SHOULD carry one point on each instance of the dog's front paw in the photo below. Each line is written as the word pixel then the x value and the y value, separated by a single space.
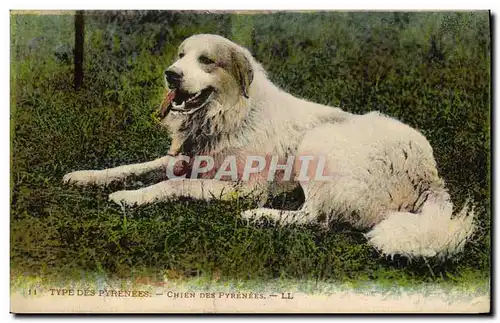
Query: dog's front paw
pixel 130 198
pixel 123 198
pixel 81 177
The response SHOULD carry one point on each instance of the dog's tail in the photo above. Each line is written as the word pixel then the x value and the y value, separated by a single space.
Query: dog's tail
pixel 434 232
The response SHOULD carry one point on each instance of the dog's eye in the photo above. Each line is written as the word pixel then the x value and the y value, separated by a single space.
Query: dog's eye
pixel 205 60
pixel 181 55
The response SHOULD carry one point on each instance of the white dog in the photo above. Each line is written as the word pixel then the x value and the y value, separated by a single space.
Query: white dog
pixel 383 175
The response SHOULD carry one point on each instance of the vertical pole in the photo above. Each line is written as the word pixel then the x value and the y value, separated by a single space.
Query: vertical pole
pixel 78 59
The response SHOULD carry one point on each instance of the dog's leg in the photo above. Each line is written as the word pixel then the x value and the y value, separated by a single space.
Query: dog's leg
pixel 106 176
pixel 307 213
pixel 175 145
pixel 203 189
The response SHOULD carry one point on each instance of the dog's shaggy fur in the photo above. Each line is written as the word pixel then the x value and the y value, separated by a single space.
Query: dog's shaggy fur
pixel 384 174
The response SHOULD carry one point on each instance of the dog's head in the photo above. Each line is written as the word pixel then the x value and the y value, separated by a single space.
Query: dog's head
pixel 209 70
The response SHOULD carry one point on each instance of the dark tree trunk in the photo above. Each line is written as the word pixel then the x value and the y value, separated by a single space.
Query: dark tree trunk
pixel 79 36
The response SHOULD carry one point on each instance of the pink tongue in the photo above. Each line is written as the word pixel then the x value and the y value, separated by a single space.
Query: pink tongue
pixel 165 104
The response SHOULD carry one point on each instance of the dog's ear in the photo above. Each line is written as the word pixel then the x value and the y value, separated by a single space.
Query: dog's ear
pixel 242 70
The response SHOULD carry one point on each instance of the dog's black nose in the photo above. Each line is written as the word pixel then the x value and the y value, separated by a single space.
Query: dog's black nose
pixel 173 78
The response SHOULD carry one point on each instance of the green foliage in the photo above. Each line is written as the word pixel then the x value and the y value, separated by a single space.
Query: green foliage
pixel 430 70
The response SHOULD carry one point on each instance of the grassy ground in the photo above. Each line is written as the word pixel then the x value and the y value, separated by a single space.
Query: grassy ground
pixel 432 71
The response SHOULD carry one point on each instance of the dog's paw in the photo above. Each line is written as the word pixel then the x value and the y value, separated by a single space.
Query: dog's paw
pixel 81 177
pixel 123 198
pixel 130 198
pixel 248 215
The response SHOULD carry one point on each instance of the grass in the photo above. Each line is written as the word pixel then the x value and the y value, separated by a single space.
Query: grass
pixel 430 70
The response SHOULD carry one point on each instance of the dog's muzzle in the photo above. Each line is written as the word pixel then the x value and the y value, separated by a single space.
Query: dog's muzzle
pixel 179 102
pixel 173 78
